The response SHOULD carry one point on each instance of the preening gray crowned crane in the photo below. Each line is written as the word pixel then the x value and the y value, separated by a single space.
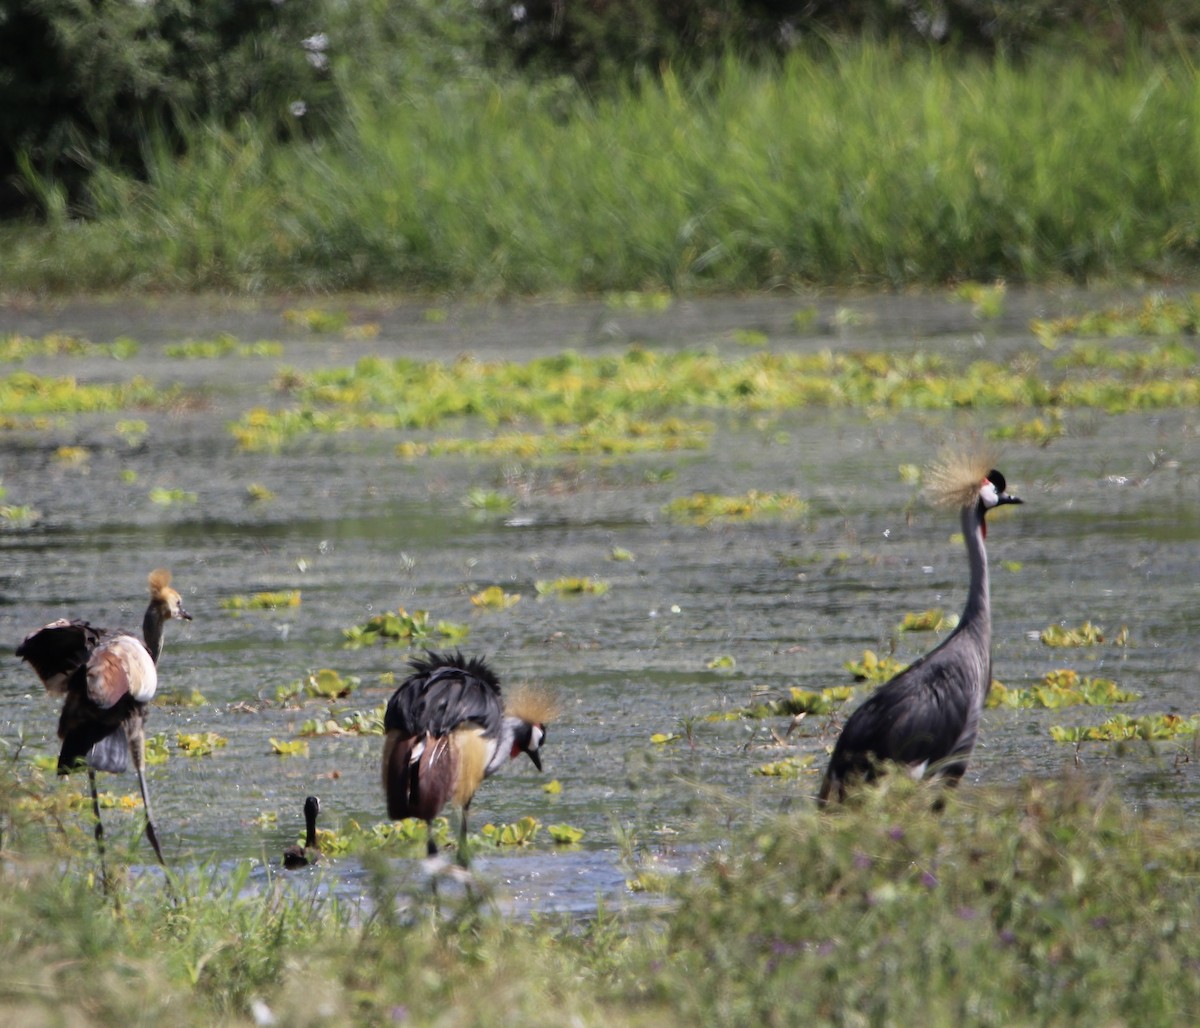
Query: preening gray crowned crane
pixel 447 729
pixel 927 717
pixel 310 853
pixel 107 678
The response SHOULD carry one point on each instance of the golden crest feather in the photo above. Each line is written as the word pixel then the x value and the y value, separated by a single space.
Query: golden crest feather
pixel 532 703
pixel 954 478
pixel 160 581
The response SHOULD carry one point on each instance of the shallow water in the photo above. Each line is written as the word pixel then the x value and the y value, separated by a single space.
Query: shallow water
pixel 1109 533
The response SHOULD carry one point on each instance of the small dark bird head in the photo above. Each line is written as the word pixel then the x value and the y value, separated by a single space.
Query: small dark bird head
pixel 312 807
pixel 528 739
pixel 163 596
pixel 531 709
pixel 993 491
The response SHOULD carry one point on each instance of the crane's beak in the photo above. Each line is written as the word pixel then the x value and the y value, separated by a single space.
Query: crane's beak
pixel 537 760
pixel 1006 498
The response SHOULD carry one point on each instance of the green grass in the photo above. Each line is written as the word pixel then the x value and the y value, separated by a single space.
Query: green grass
pixel 863 166
pixel 1044 903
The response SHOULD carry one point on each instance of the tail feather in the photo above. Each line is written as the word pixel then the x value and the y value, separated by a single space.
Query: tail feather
pixel 99 747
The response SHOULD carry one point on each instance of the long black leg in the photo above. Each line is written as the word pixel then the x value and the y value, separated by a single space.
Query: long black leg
pixel 463 860
pixel 99 830
pixel 151 834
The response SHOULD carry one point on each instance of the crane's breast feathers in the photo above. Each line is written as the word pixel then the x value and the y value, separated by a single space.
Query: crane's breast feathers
pixel 121 665
pixel 475 750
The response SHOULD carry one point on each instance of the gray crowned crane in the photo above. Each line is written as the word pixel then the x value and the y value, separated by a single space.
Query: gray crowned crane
pixel 296 856
pixel 446 729
pixel 107 679
pixel 926 718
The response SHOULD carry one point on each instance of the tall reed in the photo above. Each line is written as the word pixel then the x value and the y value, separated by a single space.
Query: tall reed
pixel 866 167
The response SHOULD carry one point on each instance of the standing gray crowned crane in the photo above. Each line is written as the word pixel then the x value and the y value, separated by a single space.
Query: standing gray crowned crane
pixel 927 717
pixel 446 730
pixel 108 678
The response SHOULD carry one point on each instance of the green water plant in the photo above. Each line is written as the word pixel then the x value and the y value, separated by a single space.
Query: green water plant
pixel 565 835
pixel 933 620
pixel 873 669
pixel 1086 634
pixel 516 833
pixel 322 684
pixel 399 627
pixel 281 599
pixel 164 497
pixel 1062 688
pixel 493 597
pixel 199 744
pixel 706 508
pixel 289 747
pixel 1150 727
pixel 571 586
pixel 788 767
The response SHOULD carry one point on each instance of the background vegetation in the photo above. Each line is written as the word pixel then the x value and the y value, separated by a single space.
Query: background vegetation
pixel 588 146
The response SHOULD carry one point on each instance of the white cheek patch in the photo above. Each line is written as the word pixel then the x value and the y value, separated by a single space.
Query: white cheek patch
pixel 536 735
pixel 987 493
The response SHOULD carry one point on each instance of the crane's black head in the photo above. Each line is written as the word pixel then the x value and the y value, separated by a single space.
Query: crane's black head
pixel 528 738
pixel 993 491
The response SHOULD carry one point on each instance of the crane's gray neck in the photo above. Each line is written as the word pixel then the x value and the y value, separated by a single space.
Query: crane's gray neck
pixel 152 629
pixel 976 615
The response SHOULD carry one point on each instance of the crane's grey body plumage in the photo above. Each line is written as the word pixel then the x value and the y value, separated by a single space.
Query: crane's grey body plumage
pixel 927 717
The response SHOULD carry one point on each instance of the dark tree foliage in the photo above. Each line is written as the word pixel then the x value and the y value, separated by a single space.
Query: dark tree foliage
pixel 81 81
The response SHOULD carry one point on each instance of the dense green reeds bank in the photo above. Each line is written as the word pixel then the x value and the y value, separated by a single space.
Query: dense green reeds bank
pixel 1048 903
pixel 867 167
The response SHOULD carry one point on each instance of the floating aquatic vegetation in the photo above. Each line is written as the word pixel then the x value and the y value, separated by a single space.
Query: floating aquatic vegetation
pixel 18 516
pixel 705 508
pixel 323 684
pixel 489 501
pixel 15 347
pixel 263 601
pixel 553 787
pixel 26 395
pixel 317 320
pixel 518 833
pixel 987 301
pixel 874 669
pixel 663 738
pixel 805 319
pixel 565 835
pixel 750 337
pixel 788 767
pixel 199 744
pixel 1149 727
pixel 361 722
pixel 571 587
pixel 179 697
pixel 612 436
pixel 289 747
pixel 723 662
pixel 72 456
pixel 223 346
pixel 1158 315
pixel 1086 634
pixel 168 497
pixel 642 302
pixel 1039 431
pixel 619 553
pixel 495 598
pixel 402 628
pixel 156 749
pixel 1062 688
pixel 257 493
pixel 574 390
pixel 797 702
pixel 934 620
pixel 131 430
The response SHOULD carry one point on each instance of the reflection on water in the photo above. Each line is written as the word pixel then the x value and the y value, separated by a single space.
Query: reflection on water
pixel 1108 534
